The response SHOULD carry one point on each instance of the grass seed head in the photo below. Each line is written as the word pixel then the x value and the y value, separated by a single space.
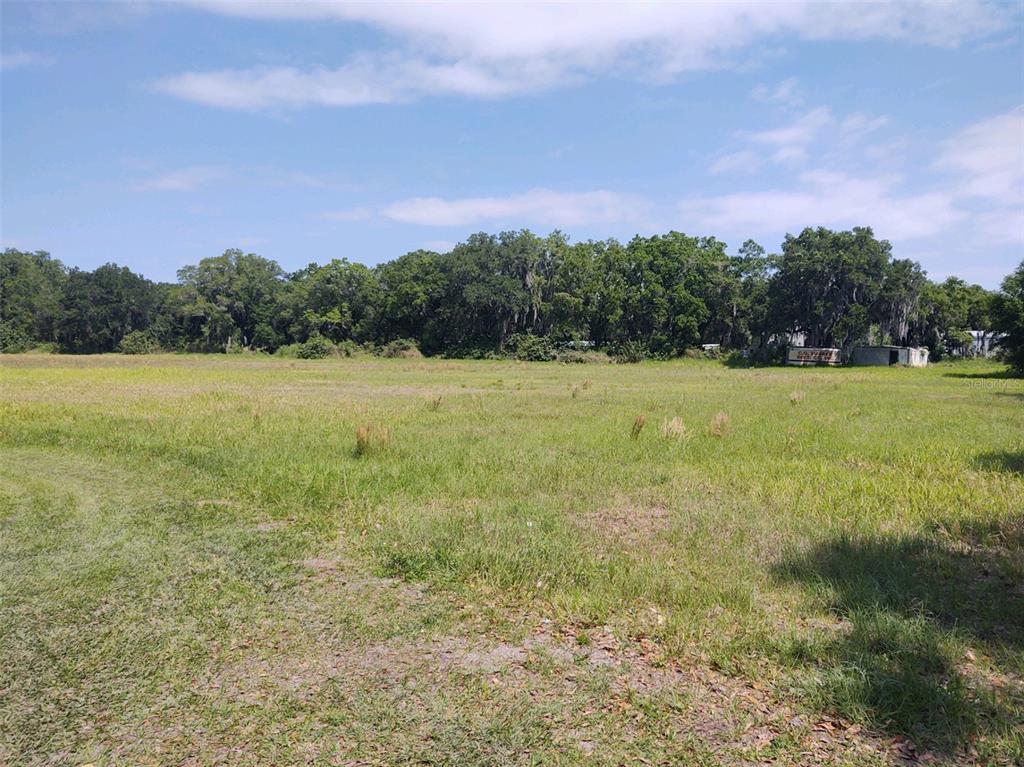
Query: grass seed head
pixel 719 424
pixel 372 438
pixel 673 429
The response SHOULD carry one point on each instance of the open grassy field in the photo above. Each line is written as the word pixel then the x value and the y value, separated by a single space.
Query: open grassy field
pixel 666 563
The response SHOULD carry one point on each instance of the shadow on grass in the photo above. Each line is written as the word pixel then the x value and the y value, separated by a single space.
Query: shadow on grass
pixel 1005 374
pixel 1007 461
pixel 914 609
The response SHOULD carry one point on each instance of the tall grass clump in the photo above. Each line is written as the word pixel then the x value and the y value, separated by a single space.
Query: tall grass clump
pixel 673 429
pixel 719 424
pixel 372 438
pixel 638 426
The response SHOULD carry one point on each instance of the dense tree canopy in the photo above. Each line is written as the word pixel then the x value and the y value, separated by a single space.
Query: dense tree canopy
pixel 1007 308
pixel 658 295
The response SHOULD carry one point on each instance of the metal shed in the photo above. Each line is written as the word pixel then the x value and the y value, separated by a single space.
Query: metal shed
pixel 912 356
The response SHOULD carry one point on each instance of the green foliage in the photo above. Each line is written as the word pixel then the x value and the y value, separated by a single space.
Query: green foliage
pixel 1008 314
pixel 101 307
pixel 31 289
pixel 629 352
pixel 400 348
pixel 577 357
pixel 316 348
pixel 14 339
pixel 655 297
pixel 827 283
pixel 139 342
pixel 530 348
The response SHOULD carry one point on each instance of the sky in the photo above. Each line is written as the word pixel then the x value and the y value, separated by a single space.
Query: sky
pixel 154 134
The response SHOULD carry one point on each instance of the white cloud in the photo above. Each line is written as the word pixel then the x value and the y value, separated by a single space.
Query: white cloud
pixel 824 198
pixel 785 92
pixel 990 157
pixel 366 79
pixel 537 206
pixel 24 60
pixel 360 213
pixel 743 161
pixel 439 246
pixel 500 49
pixel 183 179
pixel 982 197
pixel 791 144
pixel 987 160
pixel 798 133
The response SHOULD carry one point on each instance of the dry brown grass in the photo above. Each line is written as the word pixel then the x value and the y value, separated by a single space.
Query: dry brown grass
pixel 719 424
pixel 372 438
pixel 673 429
pixel 638 426
pixel 797 397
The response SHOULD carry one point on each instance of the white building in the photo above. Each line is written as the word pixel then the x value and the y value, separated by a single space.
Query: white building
pixel 912 356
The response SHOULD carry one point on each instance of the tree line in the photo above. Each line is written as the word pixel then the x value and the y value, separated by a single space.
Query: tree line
pixel 655 296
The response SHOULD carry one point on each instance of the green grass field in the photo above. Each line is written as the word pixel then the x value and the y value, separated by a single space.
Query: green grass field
pixel 199 566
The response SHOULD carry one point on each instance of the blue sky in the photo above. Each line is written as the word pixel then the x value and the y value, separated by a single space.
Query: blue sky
pixel 155 134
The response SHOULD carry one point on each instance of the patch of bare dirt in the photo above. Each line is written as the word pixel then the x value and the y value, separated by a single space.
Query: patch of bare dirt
pixel 629 522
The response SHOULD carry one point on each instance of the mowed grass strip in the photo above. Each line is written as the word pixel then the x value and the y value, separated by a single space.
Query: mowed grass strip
pixel 253 560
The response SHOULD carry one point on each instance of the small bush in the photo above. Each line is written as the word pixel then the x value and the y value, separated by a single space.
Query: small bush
pixel 737 359
pixel 638 426
pixel 530 348
pixel 629 352
pixel 139 342
pixel 316 348
pixel 347 348
pixel 573 357
pixel 372 438
pixel 719 425
pixel 401 348
pixel 673 429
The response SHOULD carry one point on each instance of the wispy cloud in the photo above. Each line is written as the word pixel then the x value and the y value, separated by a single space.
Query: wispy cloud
pixel 360 213
pixel 791 143
pixel 24 60
pixel 987 161
pixel 537 206
pixel 800 132
pixel 366 79
pixel 744 161
pixel 786 92
pixel 489 50
pixel 989 155
pixel 183 179
pixel 981 195
pixel 439 246
pixel 823 198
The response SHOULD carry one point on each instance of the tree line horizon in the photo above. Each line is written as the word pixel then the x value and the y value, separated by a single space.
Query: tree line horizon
pixel 655 296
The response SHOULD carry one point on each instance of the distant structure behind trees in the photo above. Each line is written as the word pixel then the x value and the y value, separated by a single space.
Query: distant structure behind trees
pixel 655 296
